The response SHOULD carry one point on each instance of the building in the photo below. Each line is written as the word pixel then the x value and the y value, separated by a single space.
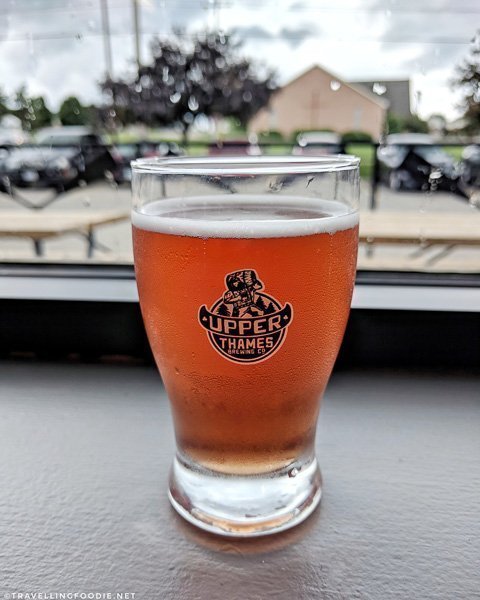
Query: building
pixel 397 94
pixel 317 99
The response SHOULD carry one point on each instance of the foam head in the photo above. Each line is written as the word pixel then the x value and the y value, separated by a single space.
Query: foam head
pixel 244 216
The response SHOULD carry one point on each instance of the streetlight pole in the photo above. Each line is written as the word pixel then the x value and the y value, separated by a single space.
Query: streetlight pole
pixel 107 48
pixel 136 25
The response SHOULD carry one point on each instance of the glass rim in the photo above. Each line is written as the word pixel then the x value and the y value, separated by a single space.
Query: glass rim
pixel 245 165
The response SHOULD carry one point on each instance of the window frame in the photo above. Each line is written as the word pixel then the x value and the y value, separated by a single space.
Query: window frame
pixel 379 290
pixel 91 312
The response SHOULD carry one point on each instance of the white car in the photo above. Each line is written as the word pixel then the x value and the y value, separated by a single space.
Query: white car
pixel 11 132
pixel 314 143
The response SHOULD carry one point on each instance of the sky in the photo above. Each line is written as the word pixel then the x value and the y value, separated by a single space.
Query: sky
pixel 56 47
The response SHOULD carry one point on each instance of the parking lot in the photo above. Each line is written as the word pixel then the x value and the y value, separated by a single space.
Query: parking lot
pixel 113 241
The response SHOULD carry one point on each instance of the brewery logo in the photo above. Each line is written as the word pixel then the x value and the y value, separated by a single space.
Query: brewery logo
pixel 246 325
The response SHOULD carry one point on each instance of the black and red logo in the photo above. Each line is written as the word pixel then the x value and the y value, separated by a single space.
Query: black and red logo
pixel 246 325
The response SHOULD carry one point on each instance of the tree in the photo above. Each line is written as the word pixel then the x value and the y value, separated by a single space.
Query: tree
pixel 260 304
pixel 394 123
pixel 223 310
pixel 3 104
pixel 467 79
pixel 270 309
pixel 72 112
pixel 437 123
pixel 20 106
pixel 41 116
pixel 355 137
pixel 32 111
pixel 207 78
pixel 412 124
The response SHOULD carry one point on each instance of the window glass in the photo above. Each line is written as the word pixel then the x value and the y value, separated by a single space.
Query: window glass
pixel 88 86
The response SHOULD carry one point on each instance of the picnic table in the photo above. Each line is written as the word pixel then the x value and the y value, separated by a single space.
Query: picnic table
pixel 427 230
pixel 49 225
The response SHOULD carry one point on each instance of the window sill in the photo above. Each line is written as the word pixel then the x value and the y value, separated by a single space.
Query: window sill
pixel 373 290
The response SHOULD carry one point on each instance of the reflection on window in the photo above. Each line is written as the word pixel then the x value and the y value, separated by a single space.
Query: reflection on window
pixel 86 88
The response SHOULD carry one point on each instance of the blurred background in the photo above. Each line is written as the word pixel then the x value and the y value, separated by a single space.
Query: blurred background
pixel 88 86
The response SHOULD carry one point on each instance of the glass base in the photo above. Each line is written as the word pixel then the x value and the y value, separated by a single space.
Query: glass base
pixel 241 505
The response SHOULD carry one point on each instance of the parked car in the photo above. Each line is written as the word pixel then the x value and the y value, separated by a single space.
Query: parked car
pixel 470 165
pixel 412 161
pixel 62 157
pixel 234 148
pixel 125 153
pixel 315 143
pixel 11 132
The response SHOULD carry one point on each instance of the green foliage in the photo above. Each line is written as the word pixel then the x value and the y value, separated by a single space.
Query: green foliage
pixel 352 137
pixel 412 124
pixel 42 117
pixel 278 149
pixel 467 79
pixel 20 107
pixel 32 111
pixel 208 77
pixel 366 154
pixel 455 151
pixel 72 112
pixel 270 137
pixel 237 129
pixel 394 123
pixel 3 104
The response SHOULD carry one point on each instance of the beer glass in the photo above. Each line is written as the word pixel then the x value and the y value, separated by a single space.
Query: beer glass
pixel 245 270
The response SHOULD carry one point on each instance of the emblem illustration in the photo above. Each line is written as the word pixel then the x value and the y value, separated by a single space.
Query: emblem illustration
pixel 246 325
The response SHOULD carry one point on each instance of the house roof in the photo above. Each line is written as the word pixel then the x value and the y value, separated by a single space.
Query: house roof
pixel 361 91
pixel 396 91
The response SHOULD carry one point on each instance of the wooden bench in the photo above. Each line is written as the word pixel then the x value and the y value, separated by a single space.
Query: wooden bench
pixel 422 229
pixel 47 225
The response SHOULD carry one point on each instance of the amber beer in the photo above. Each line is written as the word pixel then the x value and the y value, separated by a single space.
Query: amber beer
pixel 245 305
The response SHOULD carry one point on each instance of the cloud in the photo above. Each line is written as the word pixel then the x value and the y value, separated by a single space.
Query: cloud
pixel 370 39
pixel 439 31
pixel 57 49
pixel 252 32
pixel 297 35
pixel 293 36
pixel 298 6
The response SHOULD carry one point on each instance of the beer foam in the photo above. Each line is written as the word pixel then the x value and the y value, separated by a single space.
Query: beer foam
pixel 244 216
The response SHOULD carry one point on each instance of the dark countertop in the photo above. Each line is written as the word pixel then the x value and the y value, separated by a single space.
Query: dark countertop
pixel 85 452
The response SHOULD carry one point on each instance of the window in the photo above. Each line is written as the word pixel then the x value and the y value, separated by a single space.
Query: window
pixel 83 92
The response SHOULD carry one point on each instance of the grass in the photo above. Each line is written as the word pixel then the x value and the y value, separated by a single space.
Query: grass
pixel 200 150
pixel 455 151
pixel 366 153
pixel 278 149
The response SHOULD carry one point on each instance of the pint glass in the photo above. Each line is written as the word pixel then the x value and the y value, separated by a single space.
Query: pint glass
pixel 245 270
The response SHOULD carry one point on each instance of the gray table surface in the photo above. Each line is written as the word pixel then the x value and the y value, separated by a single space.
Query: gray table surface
pixel 85 452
